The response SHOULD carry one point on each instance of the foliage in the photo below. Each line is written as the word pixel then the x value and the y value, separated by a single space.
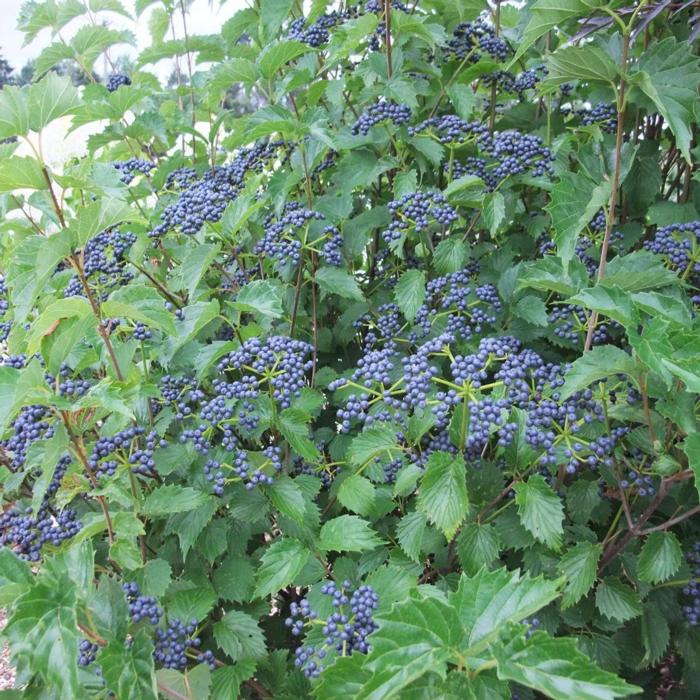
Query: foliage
pixel 361 360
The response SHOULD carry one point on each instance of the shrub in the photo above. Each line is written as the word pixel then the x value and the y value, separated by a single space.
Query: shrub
pixel 380 384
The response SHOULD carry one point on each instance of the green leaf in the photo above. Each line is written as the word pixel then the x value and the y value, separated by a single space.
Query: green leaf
pixel 596 364
pixel 128 670
pixel 193 267
pixel 52 97
pixel 660 558
pixel 274 56
pixel 281 563
pixel 172 498
pixel 490 600
pixel 533 310
pixel 15 576
pixel 261 297
pixel 409 532
pixel 32 264
pixel 540 510
pixel 98 216
pixel 373 442
pixel 333 280
pixel 239 636
pixel 656 634
pixel 450 256
pixel 357 494
pixel 43 455
pixel 428 629
pixel 667 73
pixel 587 63
pixel 43 635
pixel 294 425
pixel 616 600
pixel 494 211
pixel 478 545
pixel 546 15
pixel 579 565
pixel 227 680
pixel 555 667
pixel 410 293
pixel 607 300
pixel 691 447
pixel 348 533
pixel 234 578
pixel 192 603
pixel 286 497
pixel 21 173
pixel 443 492
pixel 575 199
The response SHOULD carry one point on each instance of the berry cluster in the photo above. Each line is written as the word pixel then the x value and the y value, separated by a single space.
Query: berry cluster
pixel 203 200
pixel 450 129
pixel 26 535
pixel 182 393
pixel 281 237
pixel 5 326
pixel 470 40
pixel 605 116
pixel 104 263
pixel 141 607
pixel 346 629
pixel 30 425
pixel 381 111
pixel 111 451
pixel 318 33
pixel 691 610
pixel 505 154
pixel 116 80
pixel 173 643
pixel 132 167
pixel 679 244
pixel 416 212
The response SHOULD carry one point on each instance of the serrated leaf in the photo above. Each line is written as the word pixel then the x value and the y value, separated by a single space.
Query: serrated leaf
pixel 409 293
pixel 294 425
pixel 274 56
pixel 494 211
pixel 478 545
pixel 42 633
pixel 409 533
pixel 372 442
pixel 281 563
pixel 172 498
pixel 579 565
pixel 450 256
pixel 357 494
pixel 596 364
pixel 234 578
pixel 588 63
pixel 239 636
pixel 660 558
pixel 333 280
pixel 192 603
pixel 575 199
pixel 227 680
pixel 262 297
pixel 348 533
pixel 540 510
pixel 490 600
pixel 193 266
pixel 443 492
pixel 617 600
pixel 533 310
pixel 656 634
pixel 668 75
pixel 286 497
pixel 129 669
pixel 555 667
pixel 427 628
pixel 21 173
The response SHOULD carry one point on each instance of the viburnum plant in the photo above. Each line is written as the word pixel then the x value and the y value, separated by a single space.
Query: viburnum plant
pixel 384 388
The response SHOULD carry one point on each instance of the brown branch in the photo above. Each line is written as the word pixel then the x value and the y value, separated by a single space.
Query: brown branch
pixel 593 320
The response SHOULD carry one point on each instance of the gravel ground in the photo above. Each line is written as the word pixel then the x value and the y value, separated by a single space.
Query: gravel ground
pixel 7 675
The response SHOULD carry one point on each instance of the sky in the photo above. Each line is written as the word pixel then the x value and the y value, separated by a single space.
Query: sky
pixel 205 17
